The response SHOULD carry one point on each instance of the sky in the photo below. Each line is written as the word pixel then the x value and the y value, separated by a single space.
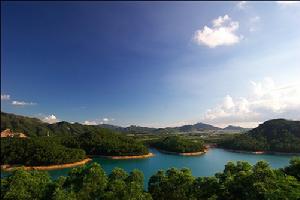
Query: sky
pixel 153 64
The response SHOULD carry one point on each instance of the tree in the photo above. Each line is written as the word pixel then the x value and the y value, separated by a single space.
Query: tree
pixel 173 184
pixel 26 185
pixel 294 168
pixel 88 182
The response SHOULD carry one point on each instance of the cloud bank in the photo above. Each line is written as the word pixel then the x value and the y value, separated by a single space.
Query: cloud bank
pixel 222 33
pixel 265 101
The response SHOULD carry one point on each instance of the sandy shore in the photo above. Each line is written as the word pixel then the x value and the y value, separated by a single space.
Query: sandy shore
pixel 49 167
pixel 185 154
pixel 126 157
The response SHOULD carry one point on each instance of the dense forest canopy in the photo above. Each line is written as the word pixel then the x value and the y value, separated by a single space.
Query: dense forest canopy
pixel 67 149
pixel 178 144
pixel 278 135
pixel 37 151
pixel 238 180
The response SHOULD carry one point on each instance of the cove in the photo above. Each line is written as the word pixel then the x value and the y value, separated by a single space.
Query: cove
pixel 204 165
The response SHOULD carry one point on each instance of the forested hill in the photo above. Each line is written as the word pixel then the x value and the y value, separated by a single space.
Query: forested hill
pixel 64 142
pixel 276 128
pixel 274 135
pixel 35 127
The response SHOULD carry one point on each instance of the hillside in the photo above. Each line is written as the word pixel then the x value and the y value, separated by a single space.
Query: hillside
pixel 94 140
pixel 34 127
pixel 278 135
pixel 276 128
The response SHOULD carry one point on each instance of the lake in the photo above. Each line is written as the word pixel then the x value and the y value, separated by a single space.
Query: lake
pixel 204 165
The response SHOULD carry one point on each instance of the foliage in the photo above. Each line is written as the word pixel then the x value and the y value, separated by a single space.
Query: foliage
pixel 37 151
pixel 294 168
pixel 82 183
pixel 174 184
pixel 25 185
pixel 106 143
pixel 178 144
pixel 237 181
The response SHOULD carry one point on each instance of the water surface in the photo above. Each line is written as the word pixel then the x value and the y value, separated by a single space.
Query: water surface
pixel 204 165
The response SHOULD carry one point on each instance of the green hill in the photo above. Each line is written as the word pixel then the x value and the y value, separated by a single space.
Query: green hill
pixel 74 140
pixel 277 135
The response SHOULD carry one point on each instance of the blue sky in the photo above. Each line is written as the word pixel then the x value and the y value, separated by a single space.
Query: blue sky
pixel 151 63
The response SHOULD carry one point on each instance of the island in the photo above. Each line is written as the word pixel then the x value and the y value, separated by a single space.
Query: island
pixel 179 145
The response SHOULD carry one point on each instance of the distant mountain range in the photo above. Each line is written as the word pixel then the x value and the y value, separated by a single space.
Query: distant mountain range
pixel 198 127
pixel 34 126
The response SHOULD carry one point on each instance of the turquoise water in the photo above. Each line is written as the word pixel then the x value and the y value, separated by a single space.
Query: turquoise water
pixel 205 165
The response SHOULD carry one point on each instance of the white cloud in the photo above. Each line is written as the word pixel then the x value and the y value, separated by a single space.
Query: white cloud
pixel 50 119
pixel 287 2
pixel 266 101
pixel 105 120
pixel 223 32
pixel 90 122
pixel 5 97
pixel 241 5
pixel 22 103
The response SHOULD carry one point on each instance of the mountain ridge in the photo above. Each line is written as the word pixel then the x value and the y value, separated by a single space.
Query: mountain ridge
pixel 21 123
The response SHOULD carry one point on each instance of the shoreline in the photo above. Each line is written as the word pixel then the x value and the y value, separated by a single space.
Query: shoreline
pixel 261 152
pixel 8 168
pixel 197 153
pixel 49 167
pixel 125 157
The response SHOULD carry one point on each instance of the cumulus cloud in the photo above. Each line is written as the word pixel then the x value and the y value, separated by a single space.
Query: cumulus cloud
pixel 50 119
pixel 265 101
pixel 22 103
pixel 105 120
pixel 223 32
pixel 5 97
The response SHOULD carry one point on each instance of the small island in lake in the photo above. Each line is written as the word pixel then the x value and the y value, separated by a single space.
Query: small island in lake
pixel 179 145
